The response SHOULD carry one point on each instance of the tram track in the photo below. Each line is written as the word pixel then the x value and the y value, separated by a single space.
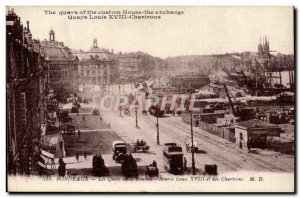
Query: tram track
pixel 263 164
pixel 215 156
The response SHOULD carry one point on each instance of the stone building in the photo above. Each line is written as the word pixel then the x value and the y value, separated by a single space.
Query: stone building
pixel 128 65
pixel 255 128
pixel 26 96
pixel 62 66
pixel 95 66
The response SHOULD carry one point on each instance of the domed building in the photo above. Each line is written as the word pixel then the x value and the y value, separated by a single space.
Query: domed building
pixel 95 66
pixel 62 66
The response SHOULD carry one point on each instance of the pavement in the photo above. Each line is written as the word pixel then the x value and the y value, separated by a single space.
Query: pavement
pixel 213 150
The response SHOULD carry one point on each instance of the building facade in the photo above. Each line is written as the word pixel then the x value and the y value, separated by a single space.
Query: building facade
pixel 95 66
pixel 62 66
pixel 26 96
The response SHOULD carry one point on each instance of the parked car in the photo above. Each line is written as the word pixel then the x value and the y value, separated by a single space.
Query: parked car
pixel 119 150
pixel 68 129
pixel 74 110
pixel 96 112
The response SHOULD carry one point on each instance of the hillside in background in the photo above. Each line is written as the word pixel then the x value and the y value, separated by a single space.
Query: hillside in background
pixel 205 64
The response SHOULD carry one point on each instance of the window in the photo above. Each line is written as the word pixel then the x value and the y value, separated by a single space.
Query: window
pixel 94 80
pixel 82 72
pixel 88 72
pixel 93 72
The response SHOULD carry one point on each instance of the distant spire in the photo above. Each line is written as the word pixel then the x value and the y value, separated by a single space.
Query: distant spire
pixel 28 26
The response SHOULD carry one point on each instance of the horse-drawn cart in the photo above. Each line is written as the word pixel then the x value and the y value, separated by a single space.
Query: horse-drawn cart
pixel 140 147
pixel 189 146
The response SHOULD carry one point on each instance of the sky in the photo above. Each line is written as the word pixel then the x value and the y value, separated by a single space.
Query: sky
pixel 200 30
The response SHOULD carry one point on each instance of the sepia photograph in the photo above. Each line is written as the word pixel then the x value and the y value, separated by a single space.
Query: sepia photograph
pixel 150 99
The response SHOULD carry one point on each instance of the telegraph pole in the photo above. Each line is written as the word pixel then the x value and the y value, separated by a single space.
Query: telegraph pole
pixel 193 156
pixel 157 127
pixel 136 107
pixel 136 121
pixel 120 99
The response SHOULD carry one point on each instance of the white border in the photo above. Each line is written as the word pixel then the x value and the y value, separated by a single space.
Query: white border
pixel 4 3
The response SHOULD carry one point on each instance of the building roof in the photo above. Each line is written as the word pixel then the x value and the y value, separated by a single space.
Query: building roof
pixel 255 123
pixel 58 53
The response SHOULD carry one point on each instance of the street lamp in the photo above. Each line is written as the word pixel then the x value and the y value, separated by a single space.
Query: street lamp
pixel 136 107
pixel 193 155
pixel 136 121
pixel 120 108
pixel 157 127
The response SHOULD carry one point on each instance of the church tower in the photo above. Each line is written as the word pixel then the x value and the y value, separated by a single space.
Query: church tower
pixel 95 44
pixel 260 48
pixel 51 35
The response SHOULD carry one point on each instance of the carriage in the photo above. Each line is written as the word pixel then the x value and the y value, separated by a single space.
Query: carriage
pixel 191 147
pixel 140 147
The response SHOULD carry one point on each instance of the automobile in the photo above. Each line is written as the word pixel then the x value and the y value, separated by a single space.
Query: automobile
pixel 51 127
pixel 66 119
pixel 74 110
pixel 68 129
pixel 96 112
pixel 79 99
pixel 85 101
pixel 119 150
pixel 63 113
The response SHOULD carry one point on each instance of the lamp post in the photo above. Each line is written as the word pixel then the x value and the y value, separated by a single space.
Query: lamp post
pixel 136 121
pixel 157 127
pixel 136 107
pixel 193 155
pixel 120 108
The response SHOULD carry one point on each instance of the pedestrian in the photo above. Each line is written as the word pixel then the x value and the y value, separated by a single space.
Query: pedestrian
pixel 83 118
pixel 77 157
pixel 85 155
pixel 79 133
pixel 184 163
pixel 241 144
pixel 52 165
pixel 248 145
pixel 61 144
pixel 100 118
